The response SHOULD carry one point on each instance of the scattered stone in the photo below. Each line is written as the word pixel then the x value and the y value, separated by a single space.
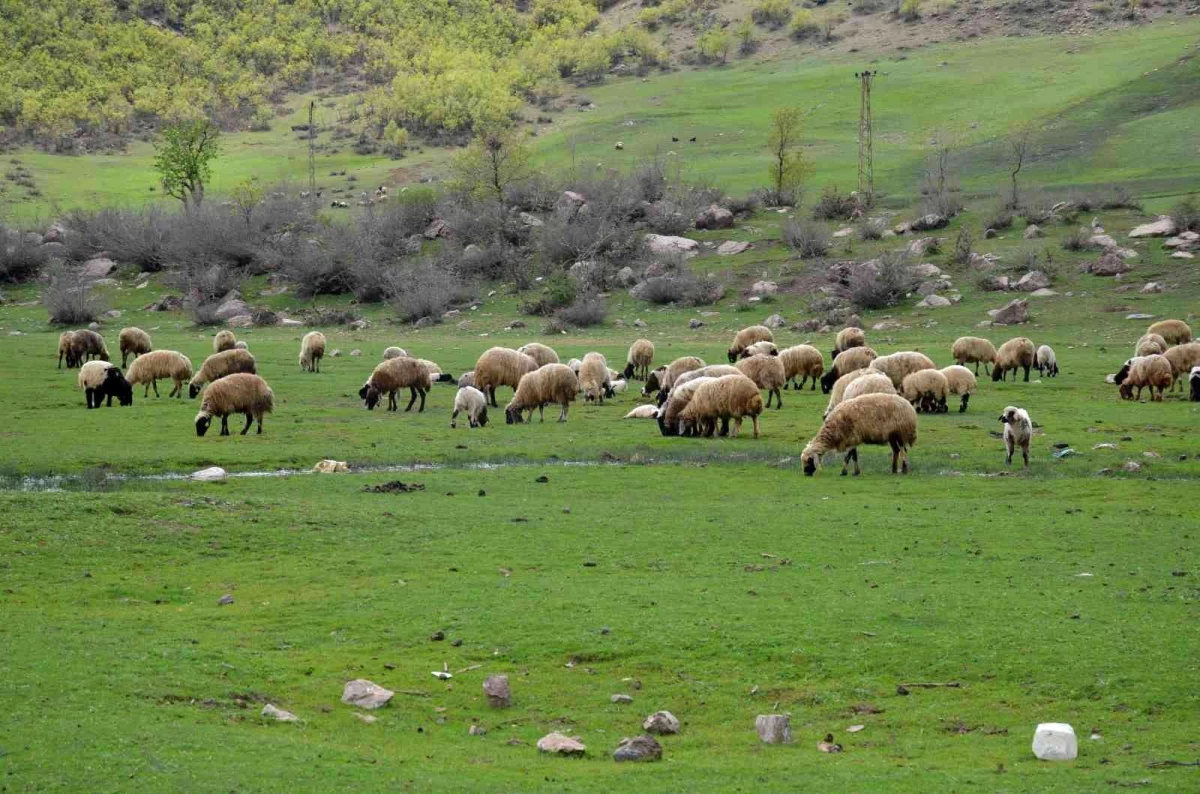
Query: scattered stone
pixel 989 234
pixel 639 748
pixel 225 600
pixel 933 302
pixel 514 325
pixel 1183 255
pixel 845 231
pixel 625 277
pixel 994 284
pixel 715 217
pixel 925 270
pixel 773 728
pixel 1043 293
pixel 1033 281
pixel 919 247
pixel 761 288
pixel 732 247
pixel 330 466
pixel 1015 313
pixel 561 744
pixel 1033 232
pixel 1132 466
pixel 621 699
pixel 930 222
pixel 240 321
pixel 1163 227
pixel 1139 316
pixel 774 321
pixel 57 233
pixel 211 474
pixel 436 228
pixel 1153 287
pixel 99 267
pixel 530 221
pixel 359 325
pixel 1102 241
pixel 274 713
pixel 335 353
pixel 639 323
pixel 662 723
pixel 902 228
pixel 498 694
pixel 662 244
pixel 355 353
pixel 370 719
pixel 1055 741
pixel 113 314
pixel 694 323
pixel 288 322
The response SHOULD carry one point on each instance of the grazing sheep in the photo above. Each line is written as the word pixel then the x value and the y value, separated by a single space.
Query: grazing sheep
pixel 868 382
pixel 663 378
pixel 1183 358
pixel 394 352
pixel 149 367
pixel 731 397
pixel 135 342
pixel 802 360
pixel 472 401
pixel 899 366
pixel 767 373
pixel 88 345
pixel 926 390
pixel 638 359
pixel 1046 362
pixel 1018 431
pixel 575 364
pixel 1149 345
pixel 64 349
pixel 1176 332
pixel 435 371
pixel 240 345
pixel 240 393
pixel 760 349
pixel 747 337
pixel 848 338
pixel 100 380
pixel 960 381
pixel 681 395
pixel 224 340
pixel 1154 372
pixel 593 378
pixel 1194 380
pixel 501 366
pixel 551 384
pixel 392 375
pixel 467 379
pixel 540 353
pixel 1016 353
pixel 643 412
pixel 838 392
pixel 218 365
pixel 847 361
pixel 869 419
pixel 312 350
pixel 973 350
pixel 710 371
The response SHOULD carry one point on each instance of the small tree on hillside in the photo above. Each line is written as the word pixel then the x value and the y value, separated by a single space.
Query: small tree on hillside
pixel 247 195
pixel 1020 149
pixel 184 159
pixel 714 45
pixel 788 167
pixel 491 163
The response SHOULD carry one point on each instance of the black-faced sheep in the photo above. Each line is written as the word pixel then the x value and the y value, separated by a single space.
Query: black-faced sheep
pixel 663 378
pixel 1149 345
pixel 540 353
pixel 1017 353
pixel 804 361
pixel 1141 372
pixel 681 395
pixel 960 381
pixel 1194 380
pixel 392 375
pixel 848 338
pixel 64 349
pixel 134 342
pixel 870 419
pixel 767 373
pixel 899 366
pixel 1183 358
pixel 973 350
pixel 501 366
pixel 100 380
pixel 1176 332
pixel 926 390
pixel 394 352
pixel 167 364
pixel 218 365
pixel 312 350
pixel 240 393
pixel 88 345
pixel 553 384
pixel 731 397
pixel 224 340
pixel 593 378
pixel 760 349
pixel 868 382
pixel 471 401
pixel 1046 362
pixel 1018 432
pixel 638 359
pixel 847 361
pixel 748 336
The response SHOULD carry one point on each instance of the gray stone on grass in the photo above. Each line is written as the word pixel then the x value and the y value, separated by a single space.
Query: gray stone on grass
pixel 638 748
pixel 498 693
pixel 366 694
pixel 278 714
pixel 561 744
pixel 773 728
pixel 662 723
pixel 621 699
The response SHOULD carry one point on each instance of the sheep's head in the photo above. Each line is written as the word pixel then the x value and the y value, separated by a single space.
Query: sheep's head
pixel 628 371
pixel 733 355
pixel 810 461
pixel 483 420
pixel 663 427
pixel 512 416
pixel 203 420
pixel 662 397
pixel 116 385
pixel 828 379
pixel 445 377
pixel 193 390
pixel 833 354
pixel 1010 415
pixel 1123 373
pixel 371 396
pixel 997 373
pixel 653 381
pixel 1126 391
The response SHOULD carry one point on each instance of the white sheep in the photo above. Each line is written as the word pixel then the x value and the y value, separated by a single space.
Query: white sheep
pixel 218 365
pixel 540 353
pixel 394 352
pixel 638 359
pixel 1018 431
pixel 1017 353
pixel 312 350
pixel 593 378
pixel 553 383
pixel 802 360
pixel 471 401
pixel 960 381
pixel 748 336
pixel 100 380
pixel 1046 362
pixel 167 364
pixel 870 419
pixel 224 340
pixel 501 366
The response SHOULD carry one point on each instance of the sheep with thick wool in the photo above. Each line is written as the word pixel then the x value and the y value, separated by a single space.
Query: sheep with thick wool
pixel 218 365
pixel 730 397
pixel 973 350
pixel 927 390
pixel 1018 432
pixel 166 364
pixel 88 345
pixel 845 362
pixel 1182 358
pixel 847 338
pixel 1046 361
pixel 394 352
pixel 709 371
pixel 1017 353
pixel 391 376
pixel 312 350
pixel 470 401
pixel 1176 332
pixel 869 419
pixel 593 378
pixel 837 392
pixel 240 393
pixel 868 382
pixel 1140 372
pixel 804 361
pixel 767 373
pixel 466 379
pixel 501 366
pixel 553 384
pixel 241 345
pixel 100 380
pixel 64 349
pixel 681 395
pixel 1149 345
pixel 960 381
pixel 224 340
pixel 899 366
pixel 1194 381
pixel 638 359
pixel 540 353
pixel 748 336
pixel 663 378
pixel 133 342
pixel 760 349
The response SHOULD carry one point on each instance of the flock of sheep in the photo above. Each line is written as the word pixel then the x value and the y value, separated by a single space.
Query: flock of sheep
pixel 873 399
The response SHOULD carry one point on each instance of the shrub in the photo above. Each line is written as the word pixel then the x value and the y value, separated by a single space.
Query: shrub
pixel 771 13
pixel 68 298
pixel 834 205
pixel 744 206
pixel 1000 218
pixel 962 246
pixel 882 287
pixel 807 238
pixel 803 25
pixel 1117 197
pixel 865 7
pixel 909 10
pixel 1038 211
pixel 141 238
pixel 747 41
pixel 20 259
pixel 945 203
pixel 1186 215
pixel 683 288
pixel 568 237
pixel 1077 240
pixel 871 229
pixel 714 45
pixel 585 312
pixel 425 289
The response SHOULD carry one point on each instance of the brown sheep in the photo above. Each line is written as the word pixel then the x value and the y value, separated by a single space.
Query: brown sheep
pixel 868 382
pixel 973 350
pixel 663 378
pixel 760 349
pixel 392 375
pixel 1183 358
pixel 1017 353
pixel 638 359
pixel 747 337
pixel 960 381
pixel 551 384
pixel 802 360
pixel 540 353
pixel 224 340
pixel 899 366
pixel 870 419
pixel 64 349
pixel 149 367
pixel 312 350
pixel 218 365
pixel 710 371
pixel 681 395
pixel 87 345
pixel 927 390
pixel 731 397
pixel 593 378
pixel 501 366
pixel 1176 332
pixel 134 342
pixel 767 373
pixel 1149 345
pixel 1145 371
pixel 838 392
pixel 847 361
pixel 240 393
pixel 848 338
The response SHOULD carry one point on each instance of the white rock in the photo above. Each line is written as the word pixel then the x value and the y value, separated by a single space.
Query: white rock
pixel 643 412
pixel 732 247
pixel 211 474
pixel 933 302
pixel 278 714
pixel 1102 241
pixel 764 288
pixel 561 744
pixel 330 466
pixel 1043 293
pixel 665 244
pixel 1153 287
pixel 1183 255
pixel 661 722
pixel 845 231
pixel 1055 741
pixel 288 322
pixel 773 728
pixel 366 694
pixel 1163 227
pixel 925 270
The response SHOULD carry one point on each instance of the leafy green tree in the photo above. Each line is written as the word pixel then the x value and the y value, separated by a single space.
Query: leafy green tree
pixel 184 160
pixel 714 45
pixel 491 163
pixel 247 195
pixel 788 166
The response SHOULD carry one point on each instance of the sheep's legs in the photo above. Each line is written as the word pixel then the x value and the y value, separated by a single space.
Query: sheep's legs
pixel 737 427
pixel 260 418
pixel 895 455
pixel 755 420
pixel 778 399
pixel 1025 454
pixel 1008 448
pixel 962 409
pixel 225 425
pixel 454 419
pixel 250 421
pixel 421 410
pixel 87 395
pixel 154 383
pixel 541 413
pixel 1027 374
pixel 562 417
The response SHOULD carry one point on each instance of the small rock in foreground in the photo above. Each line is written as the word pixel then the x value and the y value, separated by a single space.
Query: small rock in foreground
pixel 639 748
pixel 278 714
pixel 621 699
pixel 498 694
pixel 366 694
pixel 1055 741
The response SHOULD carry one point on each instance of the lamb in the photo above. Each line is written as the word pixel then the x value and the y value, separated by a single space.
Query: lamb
pixel 135 342
pixel 392 375
pixel 803 360
pixel 1149 345
pixel 868 382
pixel 973 350
pixel 767 373
pixel 838 392
pixel 470 400
pixel 681 395
pixel 638 359
pixel 1016 353
pixel 218 365
pixel 1018 431
pixel 731 397
pixel 466 379
pixel 898 366
pixel 394 352
pixel 663 378
pixel 100 380
pixel 1152 371
pixel 240 393
pixel 847 361
pixel 501 366
pixel 149 367
pixel 960 381
pixel 540 353
pixel 848 338
pixel 312 350
pixel 1176 332
pixel 551 384
pixel 926 390
pixel 643 412
pixel 747 337
pixel 617 386
pixel 64 349
pixel 1183 358
pixel 869 419
pixel 575 364
pixel 1046 362
pixel 593 378
pixel 760 349
pixel 88 345
pixel 1194 380
pixel 224 340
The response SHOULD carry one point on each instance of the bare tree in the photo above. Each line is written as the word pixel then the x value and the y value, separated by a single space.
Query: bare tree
pixel 788 167
pixel 1021 149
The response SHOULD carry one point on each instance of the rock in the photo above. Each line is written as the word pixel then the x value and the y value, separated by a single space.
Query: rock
pixel 113 314
pixel 370 719
pixel 639 748
pixel 732 247
pixel 1043 293
pixel 694 323
pixel 989 234
pixel 477 730
pixel 1102 241
pixel 715 217
pixel 288 322
pixel 273 713
pixel 931 287
pixel 925 270
pixel 773 728
pixel 472 253
pixel 1183 255
pixel 93 326
pixel 621 699
pixel 981 261
pixel 335 353
pixel 933 302
pixel 618 146
pixel 1139 316
pixel 920 246
pixel 1033 232
pixel 662 244
pixel 167 303
pixel 97 268
pixel 366 694
pixel 330 466
pixel 845 231
pixel 359 325
pixel 902 228
pixel 1183 241
pixel 662 723
pixel 1110 263
pixel 994 283
pixel 1163 227
pixel 930 222
pixel 425 322
pixel 515 324
pixel 225 600
pixel 774 321
pixel 530 221
pixel 232 307
pixel 561 744
pixel 1055 741
pixel 105 282
pixel 1032 281
pixel 57 233
pixel 761 288
pixel 498 694
pixel 436 228
pixel 570 200
pixel 240 321
pixel 1153 287
pixel 1015 313
pixel 355 353
pixel 625 277
pixel 211 474
pixel 1131 466
pixel 639 323
pixel 587 274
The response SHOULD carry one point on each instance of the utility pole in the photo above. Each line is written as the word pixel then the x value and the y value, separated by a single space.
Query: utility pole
pixel 312 153
pixel 866 150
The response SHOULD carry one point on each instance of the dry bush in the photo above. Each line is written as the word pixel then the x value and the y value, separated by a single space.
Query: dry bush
pixel 807 238
pixel 884 286
pixel 68 297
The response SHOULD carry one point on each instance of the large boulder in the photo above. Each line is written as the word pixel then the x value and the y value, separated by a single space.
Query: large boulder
pixel 925 270
pixel 1015 313
pixel 625 277
pixel 732 247
pixel 843 272
pixel 231 307
pixel 920 246
pixel 57 233
pixel 436 228
pixel 587 274
pixel 715 217
pixel 569 202
pixel 1163 227
pixel 530 221
pixel 930 222
pixel 99 267
pixel 761 288
pixel 1033 281
pixel 1110 263
pixel 1033 232
pixel 240 321
pixel 933 302
pixel 775 321
pixel 662 244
